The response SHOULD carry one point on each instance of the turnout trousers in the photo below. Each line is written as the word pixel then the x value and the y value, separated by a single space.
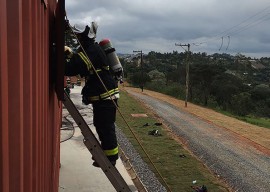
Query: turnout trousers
pixel 104 112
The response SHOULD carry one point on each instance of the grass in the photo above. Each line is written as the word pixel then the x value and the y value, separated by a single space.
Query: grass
pixel 261 122
pixel 164 151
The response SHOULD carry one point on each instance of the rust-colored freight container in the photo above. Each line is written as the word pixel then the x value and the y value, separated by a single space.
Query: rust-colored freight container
pixel 31 80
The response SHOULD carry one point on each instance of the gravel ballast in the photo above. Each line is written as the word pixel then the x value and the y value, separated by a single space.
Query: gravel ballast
pixel 142 170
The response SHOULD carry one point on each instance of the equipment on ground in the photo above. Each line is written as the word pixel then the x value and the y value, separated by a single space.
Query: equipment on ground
pixel 95 149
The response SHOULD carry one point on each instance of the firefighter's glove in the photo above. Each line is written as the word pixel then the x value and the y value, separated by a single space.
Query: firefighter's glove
pixel 68 52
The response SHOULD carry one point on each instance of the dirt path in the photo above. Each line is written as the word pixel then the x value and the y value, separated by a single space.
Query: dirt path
pixel 237 151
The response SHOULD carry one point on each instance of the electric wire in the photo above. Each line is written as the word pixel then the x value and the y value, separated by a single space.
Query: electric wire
pixel 221 44
pixel 122 116
pixel 249 25
pixel 229 40
pixel 242 26
pixel 228 31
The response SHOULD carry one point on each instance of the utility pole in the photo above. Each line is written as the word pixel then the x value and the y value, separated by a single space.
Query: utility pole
pixel 142 83
pixel 187 68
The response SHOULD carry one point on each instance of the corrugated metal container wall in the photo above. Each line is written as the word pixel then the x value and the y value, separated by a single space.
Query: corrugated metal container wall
pixel 30 113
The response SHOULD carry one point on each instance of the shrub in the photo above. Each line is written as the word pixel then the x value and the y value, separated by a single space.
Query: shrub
pixel 241 104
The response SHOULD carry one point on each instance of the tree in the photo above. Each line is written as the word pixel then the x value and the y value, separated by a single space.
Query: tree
pixel 224 86
pixel 201 77
pixel 155 75
pixel 260 92
pixel 137 78
pixel 260 97
pixel 223 79
pixel 241 104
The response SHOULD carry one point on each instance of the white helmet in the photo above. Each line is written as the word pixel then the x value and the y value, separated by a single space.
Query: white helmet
pixel 82 27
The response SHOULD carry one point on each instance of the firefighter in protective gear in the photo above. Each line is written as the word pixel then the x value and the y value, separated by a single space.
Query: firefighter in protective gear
pixel 104 109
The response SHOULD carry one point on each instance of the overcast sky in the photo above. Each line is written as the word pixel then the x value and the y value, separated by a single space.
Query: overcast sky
pixel 222 26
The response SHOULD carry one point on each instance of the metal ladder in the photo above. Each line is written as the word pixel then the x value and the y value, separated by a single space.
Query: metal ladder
pixel 95 149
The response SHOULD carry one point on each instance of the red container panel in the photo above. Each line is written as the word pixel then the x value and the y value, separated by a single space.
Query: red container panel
pixel 30 112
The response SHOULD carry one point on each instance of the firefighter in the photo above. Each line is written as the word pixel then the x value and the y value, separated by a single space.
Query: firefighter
pixel 93 92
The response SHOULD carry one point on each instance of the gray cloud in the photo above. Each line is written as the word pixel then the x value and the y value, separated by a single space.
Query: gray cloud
pixel 157 25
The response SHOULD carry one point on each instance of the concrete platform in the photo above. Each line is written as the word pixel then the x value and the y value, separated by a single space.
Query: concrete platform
pixel 77 173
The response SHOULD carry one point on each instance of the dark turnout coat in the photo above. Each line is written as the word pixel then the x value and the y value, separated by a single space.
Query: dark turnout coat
pixel 94 89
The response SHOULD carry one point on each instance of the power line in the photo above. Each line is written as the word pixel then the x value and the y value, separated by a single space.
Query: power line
pixel 244 25
pixel 221 44
pixel 249 25
pixel 229 40
pixel 244 21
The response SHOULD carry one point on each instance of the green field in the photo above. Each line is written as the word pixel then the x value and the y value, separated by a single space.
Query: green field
pixel 261 122
pixel 177 166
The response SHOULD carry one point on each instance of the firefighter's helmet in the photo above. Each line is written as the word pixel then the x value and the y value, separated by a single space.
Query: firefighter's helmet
pixel 83 27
